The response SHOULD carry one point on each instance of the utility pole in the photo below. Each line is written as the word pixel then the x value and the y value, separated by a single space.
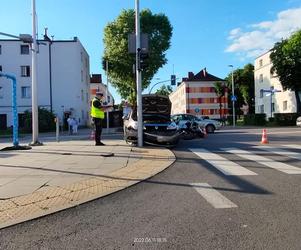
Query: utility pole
pixel 35 118
pixel 138 76
pixel 107 92
pixel 233 97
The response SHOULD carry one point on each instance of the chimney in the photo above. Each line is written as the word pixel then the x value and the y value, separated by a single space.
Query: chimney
pixel 190 75
pixel 204 72
pixel 46 37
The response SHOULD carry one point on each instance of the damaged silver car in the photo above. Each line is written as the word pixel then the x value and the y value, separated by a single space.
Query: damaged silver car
pixel 158 128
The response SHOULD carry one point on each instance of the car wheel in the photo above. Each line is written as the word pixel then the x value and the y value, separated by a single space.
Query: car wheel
pixel 210 129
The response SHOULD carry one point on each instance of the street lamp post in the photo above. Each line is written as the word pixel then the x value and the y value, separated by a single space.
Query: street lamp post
pixel 233 97
pixel 35 118
pixel 138 76
pixel 157 84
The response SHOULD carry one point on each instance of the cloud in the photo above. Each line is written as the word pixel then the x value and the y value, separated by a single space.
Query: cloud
pixel 259 37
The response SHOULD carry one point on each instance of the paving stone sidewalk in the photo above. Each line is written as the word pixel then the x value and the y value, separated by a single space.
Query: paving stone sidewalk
pixel 60 175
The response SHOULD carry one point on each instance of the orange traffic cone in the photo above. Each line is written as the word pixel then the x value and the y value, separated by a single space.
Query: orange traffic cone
pixel 264 139
pixel 92 135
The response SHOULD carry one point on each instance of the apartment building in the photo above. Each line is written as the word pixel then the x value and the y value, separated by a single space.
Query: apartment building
pixel 270 97
pixel 196 95
pixel 63 78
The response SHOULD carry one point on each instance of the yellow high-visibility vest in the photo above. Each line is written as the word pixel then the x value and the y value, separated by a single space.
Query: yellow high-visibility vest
pixel 97 112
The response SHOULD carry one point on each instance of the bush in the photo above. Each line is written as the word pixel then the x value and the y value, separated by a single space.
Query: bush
pixel 286 119
pixel 46 120
pixel 255 119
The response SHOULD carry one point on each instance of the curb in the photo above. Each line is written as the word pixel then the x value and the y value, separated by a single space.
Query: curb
pixel 50 200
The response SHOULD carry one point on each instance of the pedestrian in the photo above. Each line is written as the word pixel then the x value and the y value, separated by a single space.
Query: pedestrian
pixel 74 125
pixel 126 110
pixel 97 114
pixel 69 121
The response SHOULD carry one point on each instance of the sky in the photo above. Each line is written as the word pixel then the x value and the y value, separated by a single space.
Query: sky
pixel 206 33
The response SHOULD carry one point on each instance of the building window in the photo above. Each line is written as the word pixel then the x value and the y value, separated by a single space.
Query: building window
pixel 273 107
pixel 260 63
pixel 285 105
pixel 261 78
pixel 261 93
pixel 109 99
pixel 0 68
pixel 25 92
pixel 25 71
pixel 24 49
pixel 1 92
pixel 0 49
pixel 82 75
pixel 261 109
pixel 82 95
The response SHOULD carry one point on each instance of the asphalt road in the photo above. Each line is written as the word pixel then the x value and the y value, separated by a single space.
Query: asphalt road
pixel 191 205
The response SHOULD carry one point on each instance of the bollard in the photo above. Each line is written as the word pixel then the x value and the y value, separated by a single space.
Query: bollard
pixel 57 125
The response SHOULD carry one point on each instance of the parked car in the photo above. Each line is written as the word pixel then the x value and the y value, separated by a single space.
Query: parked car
pixel 158 128
pixel 208 124
pixel 298 121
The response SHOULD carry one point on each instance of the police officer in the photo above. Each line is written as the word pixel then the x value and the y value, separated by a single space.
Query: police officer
pixel 97 115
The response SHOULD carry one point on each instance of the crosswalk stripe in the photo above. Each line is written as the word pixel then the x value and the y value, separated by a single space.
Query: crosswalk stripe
pixel 293 146
pixel 285 168
pixel 280 151
pixel 216 199
pixel 222 164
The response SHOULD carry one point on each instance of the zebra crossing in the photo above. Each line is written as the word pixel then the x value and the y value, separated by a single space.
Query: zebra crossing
pixel 259 154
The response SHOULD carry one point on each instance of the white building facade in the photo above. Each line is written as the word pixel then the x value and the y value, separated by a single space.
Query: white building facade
pixel 279 101
pixel 63 78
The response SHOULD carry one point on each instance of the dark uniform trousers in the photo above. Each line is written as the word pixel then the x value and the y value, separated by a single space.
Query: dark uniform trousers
pixel 98 129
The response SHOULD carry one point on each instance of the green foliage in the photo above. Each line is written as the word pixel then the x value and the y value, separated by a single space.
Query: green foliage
pixel 46 120
pixel 164 90
pixel 219 89
pixel 285 119
pixel 286 59
pixel 255 119
pixel 116 33
pixel 244 87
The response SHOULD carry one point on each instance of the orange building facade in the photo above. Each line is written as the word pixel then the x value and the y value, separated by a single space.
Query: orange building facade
pixel 196 95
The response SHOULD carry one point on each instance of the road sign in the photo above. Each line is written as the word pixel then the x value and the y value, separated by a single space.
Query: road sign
pixel 233 98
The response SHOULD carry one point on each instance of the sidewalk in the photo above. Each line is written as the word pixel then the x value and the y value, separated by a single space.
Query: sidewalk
pixel 59 175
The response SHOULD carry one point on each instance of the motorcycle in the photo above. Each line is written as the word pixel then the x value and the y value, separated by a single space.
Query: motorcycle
pixel 191 130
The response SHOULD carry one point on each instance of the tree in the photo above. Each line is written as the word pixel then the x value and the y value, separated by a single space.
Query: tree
pixel 219 89
pixel 286 59
pixel 244 87
pixel 164 90
pixel 121 63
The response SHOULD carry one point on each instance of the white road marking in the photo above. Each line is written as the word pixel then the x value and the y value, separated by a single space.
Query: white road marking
pixel 280 151
pixel 216 199
pixel 222 164
pixel 293 146
pixel 285 168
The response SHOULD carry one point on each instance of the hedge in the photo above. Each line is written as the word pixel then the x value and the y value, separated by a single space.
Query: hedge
pixel 255 119
pixel 46 120
pixel 286 119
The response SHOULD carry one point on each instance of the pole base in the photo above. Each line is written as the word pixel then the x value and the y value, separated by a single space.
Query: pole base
pixel 37 143
pixel 16 148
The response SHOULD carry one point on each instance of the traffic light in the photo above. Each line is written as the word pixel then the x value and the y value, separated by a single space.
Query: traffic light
pixel 173 80
pixel 143 61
